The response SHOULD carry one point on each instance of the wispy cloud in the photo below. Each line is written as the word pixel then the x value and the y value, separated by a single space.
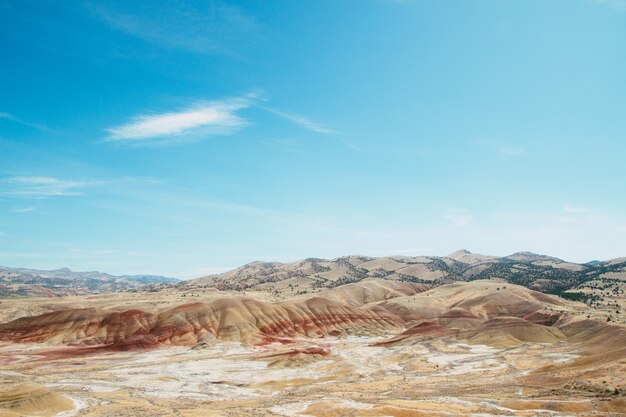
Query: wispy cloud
pixel 203 27
pixel 574 209
pixel 12 118
pixel 201 119
pixel 208 118
pixel 505 150
pixel 400 1
pixel 459 217
pixel 619 5
pixel 23 209
pixel 500 147
pixel 42 187
pixel 8 116
pixel 301 121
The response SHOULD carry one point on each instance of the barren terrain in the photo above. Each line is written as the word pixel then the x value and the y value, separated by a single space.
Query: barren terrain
pixel 374 348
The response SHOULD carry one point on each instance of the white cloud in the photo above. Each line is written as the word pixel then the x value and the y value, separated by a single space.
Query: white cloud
pixel 41 187
pixel 200 119
pixel 23 209
pixel 573 209
pixel 301 121
pixel 498 146
pixel 459 217
pixel 217 117
pixel 510 151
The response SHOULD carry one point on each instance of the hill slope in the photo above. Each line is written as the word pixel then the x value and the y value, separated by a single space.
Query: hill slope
pixel 538 272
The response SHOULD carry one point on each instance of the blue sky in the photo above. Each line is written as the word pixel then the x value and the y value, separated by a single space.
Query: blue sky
pixel 183 138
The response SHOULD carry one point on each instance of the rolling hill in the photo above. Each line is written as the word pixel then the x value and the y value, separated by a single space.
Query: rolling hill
pixel 538 272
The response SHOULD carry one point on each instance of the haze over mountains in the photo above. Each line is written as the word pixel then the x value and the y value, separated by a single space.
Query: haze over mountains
pixel 15 282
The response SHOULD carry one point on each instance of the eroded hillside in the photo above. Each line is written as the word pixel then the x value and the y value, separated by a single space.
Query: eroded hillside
pixel 377 347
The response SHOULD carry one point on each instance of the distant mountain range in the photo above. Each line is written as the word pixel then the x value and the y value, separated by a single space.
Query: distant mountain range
pixel 539 272
pixel 584 282
pixel 17 282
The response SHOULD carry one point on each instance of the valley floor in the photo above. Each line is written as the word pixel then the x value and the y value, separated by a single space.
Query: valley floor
pixel 338 377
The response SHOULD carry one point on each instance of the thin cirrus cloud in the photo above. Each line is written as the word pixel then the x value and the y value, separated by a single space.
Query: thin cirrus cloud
pixel 500 147
pixel 509 151
pixel 301 121
pixel 459 217
pixel 41 187
pixel 574 209
pixel 8 116
pixel 503 148
pixel 216 117
pixel 619 5
pixel 206 118
pixel 23 209
pixel 196 26
pixel 12 118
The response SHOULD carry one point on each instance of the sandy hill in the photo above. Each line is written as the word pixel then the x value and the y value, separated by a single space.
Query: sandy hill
pixel 481 312
pixel 32 399
pixel 368 291
pixel 236 318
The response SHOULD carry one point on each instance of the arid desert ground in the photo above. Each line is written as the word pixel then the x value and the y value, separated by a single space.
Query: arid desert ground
pixel 371 348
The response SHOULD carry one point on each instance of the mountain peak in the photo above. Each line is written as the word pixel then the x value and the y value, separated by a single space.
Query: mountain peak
pixel 465 256
pixel 460 252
